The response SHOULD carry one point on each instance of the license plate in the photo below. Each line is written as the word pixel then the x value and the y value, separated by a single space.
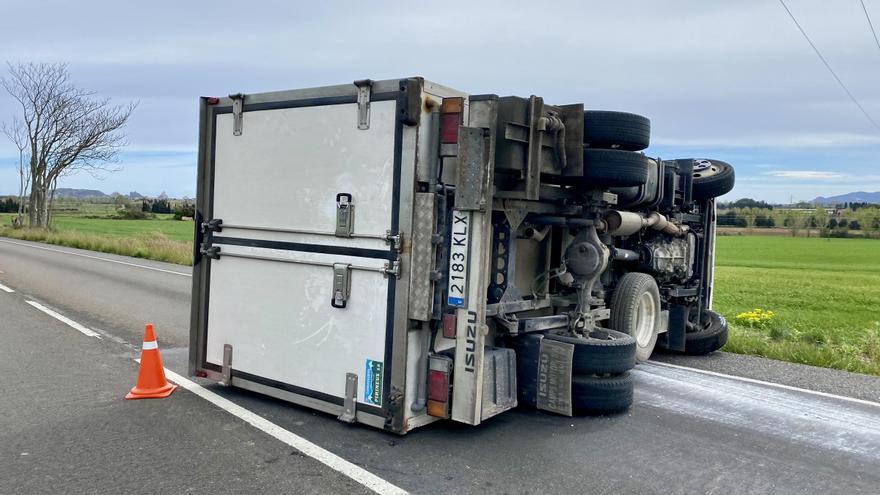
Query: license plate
pixel 458 258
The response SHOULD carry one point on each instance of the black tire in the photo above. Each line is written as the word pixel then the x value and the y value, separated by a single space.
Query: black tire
pixel 702 341
pixel 601 394
pixel 712 178
pixel 707 339
pixel 625 304
pixel 616 130
pixel 602 351
pixel 589 392
pixel 614 168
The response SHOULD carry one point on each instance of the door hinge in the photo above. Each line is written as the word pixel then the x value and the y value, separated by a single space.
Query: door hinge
pixel 237 109
pixel 341 285
pixel 227 365
pixel 344 215
pixel 392 268
pixel 396 240
pixel 209 251
pixel 364 88
pixel 349 406
pixel 214 225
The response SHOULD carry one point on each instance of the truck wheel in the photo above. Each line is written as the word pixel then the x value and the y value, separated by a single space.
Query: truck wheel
pixel 635 310
pixel 709 338
pixel 614 168
pixel 712 178
pixel 616 130
pixel 601 394
pixel 589 392
pixel 601 351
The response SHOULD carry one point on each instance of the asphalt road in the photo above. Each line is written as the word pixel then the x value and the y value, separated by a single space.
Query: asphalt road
pixel 64 427
pixel 689 431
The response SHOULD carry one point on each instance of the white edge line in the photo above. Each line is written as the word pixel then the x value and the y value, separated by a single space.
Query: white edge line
pixel 308 448
pixel 97 258
pixel 770 384
pixel 76 326
pixel 6 289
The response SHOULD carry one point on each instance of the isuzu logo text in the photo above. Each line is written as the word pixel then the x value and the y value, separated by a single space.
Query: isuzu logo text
pixel 471 342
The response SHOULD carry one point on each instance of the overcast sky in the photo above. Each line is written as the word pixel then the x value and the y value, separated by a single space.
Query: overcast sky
pixel 728 80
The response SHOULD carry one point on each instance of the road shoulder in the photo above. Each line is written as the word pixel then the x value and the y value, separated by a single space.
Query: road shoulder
pixel 830 381
pixel 64 426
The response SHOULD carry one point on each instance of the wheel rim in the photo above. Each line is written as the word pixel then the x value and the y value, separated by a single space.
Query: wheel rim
pixel 706 168
pixel 645 317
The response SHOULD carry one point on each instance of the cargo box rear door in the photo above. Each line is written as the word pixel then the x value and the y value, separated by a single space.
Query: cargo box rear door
pixel 279 188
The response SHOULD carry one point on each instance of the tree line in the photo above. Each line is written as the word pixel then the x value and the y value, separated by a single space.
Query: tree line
pixel 180 209
pixel 9 205
pixel 829 222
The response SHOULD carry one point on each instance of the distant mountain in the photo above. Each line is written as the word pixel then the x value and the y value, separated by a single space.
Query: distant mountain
pixel 853 197
pixel 66 192
pixel 135 195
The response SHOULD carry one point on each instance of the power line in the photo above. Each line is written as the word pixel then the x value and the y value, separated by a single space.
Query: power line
pixel 870 24
pixel 828 66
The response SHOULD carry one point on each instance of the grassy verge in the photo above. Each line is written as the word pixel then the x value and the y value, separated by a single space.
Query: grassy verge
pixel 150 245
pixel 110 227
pixel 824 294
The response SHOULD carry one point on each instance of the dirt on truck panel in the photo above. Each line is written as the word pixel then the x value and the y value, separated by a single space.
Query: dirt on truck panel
pixel 451 255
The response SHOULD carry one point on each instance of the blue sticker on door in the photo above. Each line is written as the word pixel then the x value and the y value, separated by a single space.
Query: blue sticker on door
pixel 373 382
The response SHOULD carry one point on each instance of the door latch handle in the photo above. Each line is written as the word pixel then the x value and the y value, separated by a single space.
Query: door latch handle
pixel 341 285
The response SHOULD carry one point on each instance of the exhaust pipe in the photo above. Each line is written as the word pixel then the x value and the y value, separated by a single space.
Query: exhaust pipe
pixel 624 223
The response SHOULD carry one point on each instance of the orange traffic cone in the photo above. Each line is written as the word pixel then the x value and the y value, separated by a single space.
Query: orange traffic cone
pixel 151 382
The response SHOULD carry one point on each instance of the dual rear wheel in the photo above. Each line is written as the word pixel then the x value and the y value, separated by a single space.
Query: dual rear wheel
pixel 600 378
pixel 612 158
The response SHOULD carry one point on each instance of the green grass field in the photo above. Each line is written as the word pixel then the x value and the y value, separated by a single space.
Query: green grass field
pixel 162 238
pixel 163 224
pixel 825 294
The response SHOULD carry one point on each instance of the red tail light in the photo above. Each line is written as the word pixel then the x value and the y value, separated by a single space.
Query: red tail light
pixel 438 386
pixel 449 325
pixel 439 374
pixel 450 118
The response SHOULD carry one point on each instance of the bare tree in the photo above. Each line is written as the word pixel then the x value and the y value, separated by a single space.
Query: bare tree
pixel 65 129
pixel 15 133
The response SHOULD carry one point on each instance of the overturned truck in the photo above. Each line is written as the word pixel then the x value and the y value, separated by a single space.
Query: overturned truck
pixel 398 252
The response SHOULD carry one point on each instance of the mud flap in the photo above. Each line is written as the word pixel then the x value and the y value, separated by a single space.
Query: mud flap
pixel 675 334
pixel 554 377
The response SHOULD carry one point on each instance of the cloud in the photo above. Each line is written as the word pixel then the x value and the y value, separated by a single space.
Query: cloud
pixel 752 93
pixel 808 174
pixel 783 140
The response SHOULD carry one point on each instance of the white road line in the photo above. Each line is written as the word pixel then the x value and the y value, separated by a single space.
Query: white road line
pixel 97 258
pixel 76 326
pixel 5 289
pixel 770 384
pixel 792 417
pixel 308 448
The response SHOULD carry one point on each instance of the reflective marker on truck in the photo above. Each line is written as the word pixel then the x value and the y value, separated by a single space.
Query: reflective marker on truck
pixel 458 258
